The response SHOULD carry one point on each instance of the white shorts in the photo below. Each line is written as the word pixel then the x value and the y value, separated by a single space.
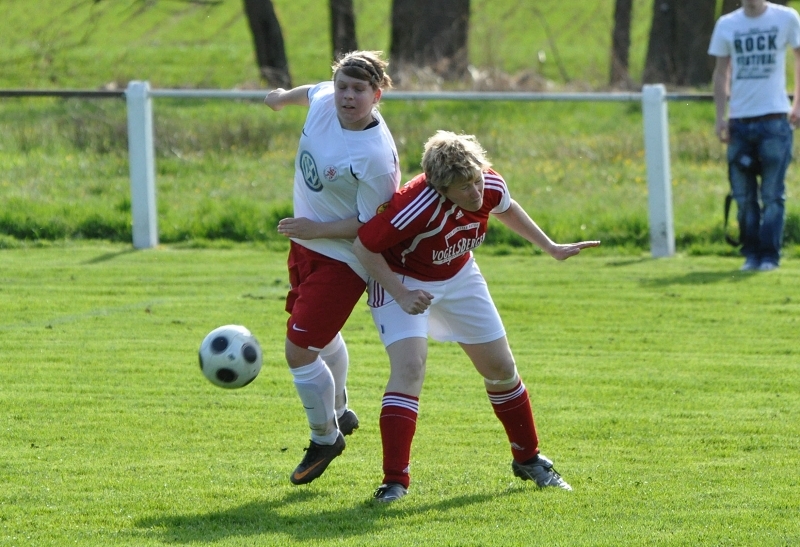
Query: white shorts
pixel 462 310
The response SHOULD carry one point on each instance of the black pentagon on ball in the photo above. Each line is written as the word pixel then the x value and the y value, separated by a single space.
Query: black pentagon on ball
pixel 226 375
pixel 249 353
pixel 219 344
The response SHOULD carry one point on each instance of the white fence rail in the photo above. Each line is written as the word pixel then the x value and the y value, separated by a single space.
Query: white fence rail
pixel 656 143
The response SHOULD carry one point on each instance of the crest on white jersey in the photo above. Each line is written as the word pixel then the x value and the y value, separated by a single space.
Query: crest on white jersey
pixel 331 173
pixel 310 173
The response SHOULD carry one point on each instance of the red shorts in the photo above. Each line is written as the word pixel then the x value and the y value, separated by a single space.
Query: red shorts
pixel 323 293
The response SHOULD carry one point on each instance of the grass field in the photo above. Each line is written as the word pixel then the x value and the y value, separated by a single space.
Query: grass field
pixel 666 391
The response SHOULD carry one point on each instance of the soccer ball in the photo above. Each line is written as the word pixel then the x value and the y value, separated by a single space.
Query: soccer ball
pixel 230 357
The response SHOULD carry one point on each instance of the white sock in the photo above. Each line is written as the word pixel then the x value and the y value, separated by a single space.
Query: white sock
pixel 336 357
pixel 314 384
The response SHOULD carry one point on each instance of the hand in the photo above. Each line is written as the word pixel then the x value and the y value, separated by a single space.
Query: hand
pixel 415 302
pixel 300 228
pixel 721 128
pixel 563 252
pixel 273 99
pixel 794 117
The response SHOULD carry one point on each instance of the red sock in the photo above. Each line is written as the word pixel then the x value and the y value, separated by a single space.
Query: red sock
pixel 398 425
pixel 513 409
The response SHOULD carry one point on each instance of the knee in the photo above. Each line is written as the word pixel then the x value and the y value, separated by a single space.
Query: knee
pixel 772 195
pixel 410 371
pixel 499 372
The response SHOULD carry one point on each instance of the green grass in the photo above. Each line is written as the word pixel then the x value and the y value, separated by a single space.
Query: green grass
pixel 666 391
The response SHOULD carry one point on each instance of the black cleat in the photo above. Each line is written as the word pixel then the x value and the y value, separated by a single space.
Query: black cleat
pixel 541 472
pixel 348 422
pixel 316 460
pixel 389 492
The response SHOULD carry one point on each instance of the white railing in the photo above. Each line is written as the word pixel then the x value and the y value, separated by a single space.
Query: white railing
pixel 656 144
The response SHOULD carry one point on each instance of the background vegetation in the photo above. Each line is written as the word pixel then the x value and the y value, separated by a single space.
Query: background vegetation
pixel 224 168
pixel 177 43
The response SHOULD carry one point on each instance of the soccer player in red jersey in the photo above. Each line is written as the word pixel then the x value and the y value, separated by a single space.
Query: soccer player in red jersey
pixel 424 281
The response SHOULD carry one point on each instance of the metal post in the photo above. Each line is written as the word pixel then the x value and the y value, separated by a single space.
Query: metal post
pixel 659 179
pixel 141 157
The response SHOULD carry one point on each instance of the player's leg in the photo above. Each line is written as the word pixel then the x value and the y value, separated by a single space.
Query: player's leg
pixel 399 411
pixel 507 394
pixel 323 293
pixel 468 316
pixel 512 406
pixel 405 338
pixel 337 358
pixel 314 384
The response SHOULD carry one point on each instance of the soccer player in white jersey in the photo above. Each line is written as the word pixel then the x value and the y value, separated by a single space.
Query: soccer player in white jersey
pixel 346 167
pixel 424 281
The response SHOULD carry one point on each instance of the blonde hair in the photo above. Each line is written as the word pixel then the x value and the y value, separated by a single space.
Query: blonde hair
pixel 449 158
pixel 364 65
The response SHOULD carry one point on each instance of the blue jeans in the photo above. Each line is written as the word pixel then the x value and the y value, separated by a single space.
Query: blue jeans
pixel 760 148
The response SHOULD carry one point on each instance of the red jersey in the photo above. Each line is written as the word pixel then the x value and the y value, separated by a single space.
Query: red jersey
pixel 424 235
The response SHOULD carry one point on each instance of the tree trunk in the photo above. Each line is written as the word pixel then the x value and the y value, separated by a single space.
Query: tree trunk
pixel 430 34
pixel 621 44
pixel 679 36
pixel 343 27
pixel 268 42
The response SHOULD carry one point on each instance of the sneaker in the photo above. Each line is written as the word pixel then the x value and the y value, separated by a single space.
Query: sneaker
pixel 767 266
pixel 388 492
pixel 316 460
pixel 541 472
pixel 751 264
pixel 348 422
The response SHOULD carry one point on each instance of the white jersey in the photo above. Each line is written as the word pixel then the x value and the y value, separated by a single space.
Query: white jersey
pixel 757 48
pixel 340 174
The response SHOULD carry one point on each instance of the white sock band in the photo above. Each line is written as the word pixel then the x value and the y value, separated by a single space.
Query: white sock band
pixel 500 383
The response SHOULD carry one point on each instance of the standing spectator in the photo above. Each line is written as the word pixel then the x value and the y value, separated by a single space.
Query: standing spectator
pixel 750 46
pixel 424 280
pixel 346 167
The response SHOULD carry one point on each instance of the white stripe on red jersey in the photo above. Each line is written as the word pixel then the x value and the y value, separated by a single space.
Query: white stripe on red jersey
pixel 428 196
pixel 424 235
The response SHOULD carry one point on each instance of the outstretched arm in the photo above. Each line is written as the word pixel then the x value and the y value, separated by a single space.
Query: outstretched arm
pixel 304 228
pixel 412 302
pixel 278 98
pixel 518 220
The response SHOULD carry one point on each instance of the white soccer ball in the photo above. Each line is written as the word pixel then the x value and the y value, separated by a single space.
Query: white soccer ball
pixel 230 356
